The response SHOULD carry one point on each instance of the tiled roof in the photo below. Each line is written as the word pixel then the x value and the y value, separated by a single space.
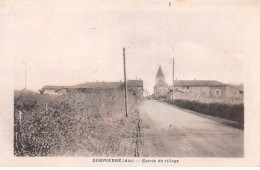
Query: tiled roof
pixel 237 88
pixel 108 85
pixel 98 85
pixel 198 83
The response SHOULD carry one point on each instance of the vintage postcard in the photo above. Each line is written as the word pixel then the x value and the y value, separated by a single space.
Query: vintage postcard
pixel 129 83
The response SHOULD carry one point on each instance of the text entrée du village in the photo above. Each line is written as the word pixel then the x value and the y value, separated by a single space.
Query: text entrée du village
pixel 136 160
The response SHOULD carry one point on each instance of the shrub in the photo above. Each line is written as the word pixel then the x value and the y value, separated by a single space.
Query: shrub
pixel 231 112
pixel 90 123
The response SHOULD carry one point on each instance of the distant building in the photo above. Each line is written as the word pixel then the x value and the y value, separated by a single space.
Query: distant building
pixel 175 94
pixel 207 88
pixel 145 94
pixel 161 88
pixel 204 89
pixel 201 88
pixel 135 86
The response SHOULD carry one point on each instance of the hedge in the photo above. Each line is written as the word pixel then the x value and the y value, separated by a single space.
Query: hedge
pixel 233 112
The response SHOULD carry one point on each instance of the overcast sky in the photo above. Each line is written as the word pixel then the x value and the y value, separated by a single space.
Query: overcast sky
pixel 70 43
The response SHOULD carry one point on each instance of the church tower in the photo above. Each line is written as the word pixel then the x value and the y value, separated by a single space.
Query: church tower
pixel 159 76
pixel 161 88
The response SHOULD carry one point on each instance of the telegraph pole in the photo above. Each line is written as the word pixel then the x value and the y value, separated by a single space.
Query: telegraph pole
pixel 125 84
pixel 25 75
pixel 172 78
pixel 173 72
pixel 126 110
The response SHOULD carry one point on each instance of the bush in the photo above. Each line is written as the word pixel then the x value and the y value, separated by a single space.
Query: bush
pixel 227 111
pixel 79 123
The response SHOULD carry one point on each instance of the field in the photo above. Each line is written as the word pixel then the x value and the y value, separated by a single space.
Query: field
pixel 75 124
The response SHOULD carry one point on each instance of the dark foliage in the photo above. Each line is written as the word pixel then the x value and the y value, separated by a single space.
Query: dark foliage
pixel 78 123
pixel 227 111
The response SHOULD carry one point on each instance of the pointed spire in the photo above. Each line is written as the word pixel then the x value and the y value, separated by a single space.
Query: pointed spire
pixel 160 72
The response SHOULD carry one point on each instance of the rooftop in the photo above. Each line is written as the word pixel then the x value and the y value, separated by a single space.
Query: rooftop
pixel 99 85
pixel 198 83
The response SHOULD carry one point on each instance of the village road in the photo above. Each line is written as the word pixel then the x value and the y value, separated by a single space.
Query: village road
pixel 169 131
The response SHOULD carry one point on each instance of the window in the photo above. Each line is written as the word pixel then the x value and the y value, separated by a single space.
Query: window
pixel 188 87
pixel 217 92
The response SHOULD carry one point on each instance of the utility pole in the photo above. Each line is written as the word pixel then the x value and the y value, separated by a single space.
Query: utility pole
pixel 172 78
pixel 25 75
pixel 125 84
pixel 173 72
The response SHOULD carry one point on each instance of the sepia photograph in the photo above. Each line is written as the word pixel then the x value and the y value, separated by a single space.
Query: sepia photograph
pixel 148 79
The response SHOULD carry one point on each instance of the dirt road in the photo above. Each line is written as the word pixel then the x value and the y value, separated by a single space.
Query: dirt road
pixel 169 131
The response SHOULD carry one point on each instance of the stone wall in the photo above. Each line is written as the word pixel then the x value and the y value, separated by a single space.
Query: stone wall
pixel 194 91
pixel 221 91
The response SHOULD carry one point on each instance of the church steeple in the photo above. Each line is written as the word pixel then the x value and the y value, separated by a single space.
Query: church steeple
pixel 159 73
pixel 159 76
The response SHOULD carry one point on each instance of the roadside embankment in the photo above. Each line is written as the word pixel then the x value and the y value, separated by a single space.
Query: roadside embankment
pixel 76 124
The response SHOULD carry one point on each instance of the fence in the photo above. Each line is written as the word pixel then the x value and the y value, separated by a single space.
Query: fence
pixel 18 134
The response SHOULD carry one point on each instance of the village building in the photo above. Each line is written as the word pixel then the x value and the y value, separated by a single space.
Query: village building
pixel 134 86
pixel 161 88
pixel 208 89
pixel 202 90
